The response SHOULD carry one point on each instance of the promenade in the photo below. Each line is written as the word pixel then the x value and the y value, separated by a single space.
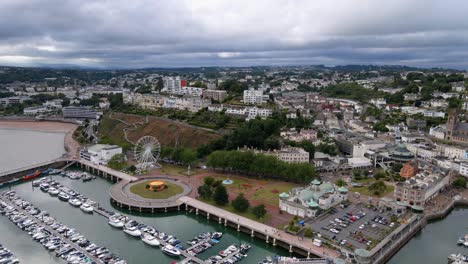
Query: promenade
pixel 273 235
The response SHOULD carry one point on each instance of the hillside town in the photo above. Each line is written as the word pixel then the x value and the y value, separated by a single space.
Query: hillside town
pixel 372 153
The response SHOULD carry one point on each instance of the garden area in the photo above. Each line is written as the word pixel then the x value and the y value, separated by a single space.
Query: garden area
pixel 261 191
pixel 178 170
pixel 214 192
pixel 142 189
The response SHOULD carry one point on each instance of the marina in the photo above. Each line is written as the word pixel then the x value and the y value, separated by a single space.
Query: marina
pixel 68 244
pixel 90 190
pixel 7 257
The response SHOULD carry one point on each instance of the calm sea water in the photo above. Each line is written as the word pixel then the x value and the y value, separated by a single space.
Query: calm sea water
pixel 20 148
pixel 436 241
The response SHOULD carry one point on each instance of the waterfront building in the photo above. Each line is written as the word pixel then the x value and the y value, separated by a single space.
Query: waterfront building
pixel 421 188
pixel 36 110
pixel 13 100
pixel 80 112
pixel 100 153
pixel 308 201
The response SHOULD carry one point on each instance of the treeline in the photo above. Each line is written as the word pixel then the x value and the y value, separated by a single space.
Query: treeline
pixel 260 165
pixel 428 83
pixel 352 91
pixel 184 156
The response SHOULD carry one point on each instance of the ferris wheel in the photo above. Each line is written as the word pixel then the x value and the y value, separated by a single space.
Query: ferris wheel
pixel 146 151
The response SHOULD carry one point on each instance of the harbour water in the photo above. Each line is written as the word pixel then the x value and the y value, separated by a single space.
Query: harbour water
pixel 436 241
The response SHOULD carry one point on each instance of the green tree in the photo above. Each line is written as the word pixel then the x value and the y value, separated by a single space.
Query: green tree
pixel 340 183
pixel 307 232
pixel 220 195
pixel 208 181
pixel 240 203
pixel 259 211
pixel 205 191
pixel 377 188
pixel 117 162
pixel 460 182
pixel 397 167
pixel 188 156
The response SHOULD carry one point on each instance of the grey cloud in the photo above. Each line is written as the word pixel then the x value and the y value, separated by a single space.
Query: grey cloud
pixel 150 33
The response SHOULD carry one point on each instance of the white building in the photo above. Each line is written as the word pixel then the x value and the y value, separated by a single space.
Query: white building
pixel 307 201
pixel 379 103
pixel 430 113
pixel 293 155
pixel 172 84
pixel 455 152
pixel 463 169
pixel 253 96
pixel 437 132
pixel 35 110
pixel 100 153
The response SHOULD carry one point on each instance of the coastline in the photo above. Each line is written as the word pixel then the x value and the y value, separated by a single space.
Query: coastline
pixel 71 146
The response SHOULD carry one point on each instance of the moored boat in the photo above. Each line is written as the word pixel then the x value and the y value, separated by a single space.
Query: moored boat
pixel 171 251
pixel 32 175
pixel 133 231
pixel 150 240
pixel 86 207
pixel 116 222
pixel 63 197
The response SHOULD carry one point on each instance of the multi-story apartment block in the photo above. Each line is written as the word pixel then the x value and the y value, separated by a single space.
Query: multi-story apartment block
pixel 253 96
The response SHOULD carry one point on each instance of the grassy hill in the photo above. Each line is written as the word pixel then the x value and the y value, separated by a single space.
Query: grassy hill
pixel 168 132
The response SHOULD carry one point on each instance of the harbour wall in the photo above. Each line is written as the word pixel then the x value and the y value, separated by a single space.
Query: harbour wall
pixel 17 174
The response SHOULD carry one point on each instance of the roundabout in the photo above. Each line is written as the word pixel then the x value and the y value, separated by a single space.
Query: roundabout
pixel 149 194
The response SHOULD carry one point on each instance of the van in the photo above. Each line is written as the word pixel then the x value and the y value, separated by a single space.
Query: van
pixel 317 242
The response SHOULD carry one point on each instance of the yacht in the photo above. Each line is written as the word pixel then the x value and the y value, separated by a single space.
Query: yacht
pixel 150 240
pixel 44 186
pixel 75 202
pixel 53 191
pixel 87 208
pixel 115 222
pixel 63 196
pixel 217 235
pixel 133 231
pixel 171 251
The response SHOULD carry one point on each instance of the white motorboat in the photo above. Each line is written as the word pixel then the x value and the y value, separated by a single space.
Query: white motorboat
pixel 133 231
pixel 85 207
pixel 171 251
pixel 75 202
pixel 63 196
pixel 116 222
pixel 53 191
pixel 150 240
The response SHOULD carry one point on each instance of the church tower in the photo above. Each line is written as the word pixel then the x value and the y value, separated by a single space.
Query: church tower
pixel 452 123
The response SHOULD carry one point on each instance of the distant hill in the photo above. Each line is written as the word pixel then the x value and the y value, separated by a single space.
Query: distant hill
pixel 168 132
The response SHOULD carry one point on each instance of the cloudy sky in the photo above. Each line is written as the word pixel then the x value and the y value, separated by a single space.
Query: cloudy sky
pixel 183 33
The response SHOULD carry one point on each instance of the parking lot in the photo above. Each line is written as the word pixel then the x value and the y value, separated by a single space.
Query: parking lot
pixel 353 227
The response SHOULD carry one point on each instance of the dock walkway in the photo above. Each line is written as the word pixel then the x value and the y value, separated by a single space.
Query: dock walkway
pixel 271 234
pixel 54 232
